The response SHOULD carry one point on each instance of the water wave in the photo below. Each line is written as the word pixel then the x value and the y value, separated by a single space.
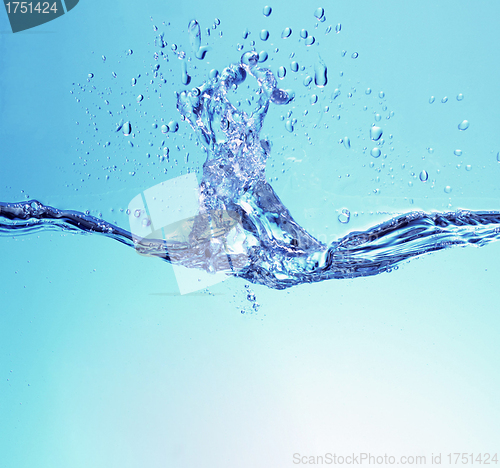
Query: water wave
pixel 275 250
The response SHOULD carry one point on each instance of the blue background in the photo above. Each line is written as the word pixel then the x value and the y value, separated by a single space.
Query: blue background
pixel 103 364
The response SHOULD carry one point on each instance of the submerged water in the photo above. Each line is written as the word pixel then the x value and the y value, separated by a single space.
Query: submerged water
pixel 275 250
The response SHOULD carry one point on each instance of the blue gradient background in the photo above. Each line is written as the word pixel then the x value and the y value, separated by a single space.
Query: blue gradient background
pixel 102 364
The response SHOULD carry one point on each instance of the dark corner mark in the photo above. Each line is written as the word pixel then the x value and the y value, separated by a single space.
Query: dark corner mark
pixel 27 15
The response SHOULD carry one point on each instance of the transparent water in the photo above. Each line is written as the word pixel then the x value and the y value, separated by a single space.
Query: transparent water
pixel 386 152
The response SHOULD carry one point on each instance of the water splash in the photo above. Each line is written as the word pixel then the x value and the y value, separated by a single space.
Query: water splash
pixel 275 250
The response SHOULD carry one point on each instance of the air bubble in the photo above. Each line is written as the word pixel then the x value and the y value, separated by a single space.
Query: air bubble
pixel 173 126
pixel 423 176
pixel 250 58
pixel 127 128
pixel 320 74
pixel 376 133
pixel 344 216
pixel 375 152
pixel 286 33
pixel 264 35
pixel 319 13
pixel 464 125
pixel 309 41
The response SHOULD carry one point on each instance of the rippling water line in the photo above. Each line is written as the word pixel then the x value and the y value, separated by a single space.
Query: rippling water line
pixel 275 250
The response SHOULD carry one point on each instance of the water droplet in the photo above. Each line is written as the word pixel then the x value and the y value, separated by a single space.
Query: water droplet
pixel 375 152
pixel 445 99
pixel 338 28
pixel 320 74
pixel 344 216
pixel 368 91
pixel 431 99
pixel 468 167
pixel 447 189
pixel 134 81
pixel 214 74
pixel 376 133
pixel 354 55
pixel 328 29
pixel 267 10
pixel 336 93
pixel 457 152
pixel 498 156
pixel 217 21
pixel 91 75
pixel 294 66
pixel 307 80
pixel 245 34
pixel 303 33
pixel 103 58
pixel 173 126
pixel 264 35
pixel 430 150
pixel 313 99
pixel 347 142
pixel 250 58
pixel 281 72
pixel 164 129
pixel 377 117
pixel 137 213
pixel 280 96
pixel 146 222
pixel 464 125
pixel 140 98
pixel 381 95
pixel 286 33
pixel 194 35
pixel 319 13
pixel 423 176
pixel 309 41
pixel 460 97
pixel 289 126
pixel 127 128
